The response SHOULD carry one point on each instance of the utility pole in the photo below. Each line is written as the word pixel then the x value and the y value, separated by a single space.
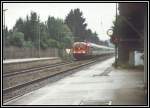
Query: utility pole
pixel 4 41
pixel 39 34
pixel 116 64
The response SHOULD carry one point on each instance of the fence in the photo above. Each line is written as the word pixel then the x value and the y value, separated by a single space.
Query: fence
pixel 15 52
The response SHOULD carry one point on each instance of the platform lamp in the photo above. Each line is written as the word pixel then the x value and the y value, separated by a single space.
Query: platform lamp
pixel 4 29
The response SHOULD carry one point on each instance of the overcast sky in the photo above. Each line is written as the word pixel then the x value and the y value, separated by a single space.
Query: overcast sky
pixel 99 16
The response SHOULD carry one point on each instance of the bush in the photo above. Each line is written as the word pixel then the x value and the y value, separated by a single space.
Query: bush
pixel 17 39
pixel 28 44
pixel 52 43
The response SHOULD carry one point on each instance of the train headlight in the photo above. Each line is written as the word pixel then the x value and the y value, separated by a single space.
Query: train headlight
pixel 88 44
pixel 83 51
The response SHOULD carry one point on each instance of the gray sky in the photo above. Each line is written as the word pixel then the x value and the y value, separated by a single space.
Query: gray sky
pixel 99 16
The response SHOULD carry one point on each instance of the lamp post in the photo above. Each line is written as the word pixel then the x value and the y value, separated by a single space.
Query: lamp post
pixel 39 35
pixel 116 43
pixel 4 30
pixel 4 16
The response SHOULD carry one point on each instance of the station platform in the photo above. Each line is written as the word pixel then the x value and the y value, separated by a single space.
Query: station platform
pixel 26 60
pixel 99 84
pixel 19 64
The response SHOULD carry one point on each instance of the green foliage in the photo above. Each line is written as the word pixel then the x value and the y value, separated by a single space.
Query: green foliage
pixel 77 25
pixel 53 33
pixel 53 27
pixel 28 44
pixel 29 27
pixel 17 39
pixel 43 45
pixel 67 41
pixel 5 37
pixel 19 26
pixel 52 43
pixel 60 32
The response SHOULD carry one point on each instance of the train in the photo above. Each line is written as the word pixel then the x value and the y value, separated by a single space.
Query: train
pixel 85 50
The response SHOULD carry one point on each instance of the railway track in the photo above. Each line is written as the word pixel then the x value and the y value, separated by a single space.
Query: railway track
pixel 7 74
pixel 21 82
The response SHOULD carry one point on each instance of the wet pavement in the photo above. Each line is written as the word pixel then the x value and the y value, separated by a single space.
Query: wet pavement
pixel 99 84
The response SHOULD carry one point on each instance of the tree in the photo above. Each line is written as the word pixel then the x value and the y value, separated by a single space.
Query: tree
pixel 60 32
pixel 54 26
pixel 67 36
pixel 30 28
pixel 95 38
pixel 17 39
pixel 43 35
pixel 34 27
pixel 77 25
pixel 53 33
pixel 6 36
pixel 89 35
pixel 52 43
pixel 28 44
pixel 19 26
pixel 27 29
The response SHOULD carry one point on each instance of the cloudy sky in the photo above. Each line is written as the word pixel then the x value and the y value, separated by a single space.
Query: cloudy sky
pixel 99 16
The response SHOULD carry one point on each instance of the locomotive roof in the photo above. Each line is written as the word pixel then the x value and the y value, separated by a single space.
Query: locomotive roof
pixel 79 43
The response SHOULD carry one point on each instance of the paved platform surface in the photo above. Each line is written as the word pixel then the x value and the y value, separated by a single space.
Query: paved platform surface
pixel 99 84
pixel 26 59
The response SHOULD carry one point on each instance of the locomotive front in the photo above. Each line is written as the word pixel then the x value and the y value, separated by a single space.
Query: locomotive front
pixel 80 50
